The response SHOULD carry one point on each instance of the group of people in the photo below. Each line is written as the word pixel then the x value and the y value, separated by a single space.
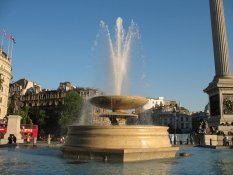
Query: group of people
pixel 62 139
pixel 11 139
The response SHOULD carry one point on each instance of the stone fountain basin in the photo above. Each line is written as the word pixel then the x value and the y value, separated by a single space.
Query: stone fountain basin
pixel 118 102
pixel 118 143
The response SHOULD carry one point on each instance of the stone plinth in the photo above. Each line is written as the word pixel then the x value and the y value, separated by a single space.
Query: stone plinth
pixel 13 127
pixel 214 140
pixel 217 140
pixel 220 93
pixel 118 143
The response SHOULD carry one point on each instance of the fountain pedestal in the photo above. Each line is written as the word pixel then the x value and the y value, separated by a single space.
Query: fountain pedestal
pixel 118 143
pixel 121 143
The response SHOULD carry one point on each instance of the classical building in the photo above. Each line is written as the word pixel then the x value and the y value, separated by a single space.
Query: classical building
pixel 179 119
pixel 161 112
pixel 5 76
pixel 25 93
pixel 160 101
pixel 17 90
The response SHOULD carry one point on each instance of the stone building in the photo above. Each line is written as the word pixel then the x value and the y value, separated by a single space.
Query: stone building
pixel 179 120
pixel 166 114
pixel 24 93
pixel 160 101
pixel 5 76
pixel 17 90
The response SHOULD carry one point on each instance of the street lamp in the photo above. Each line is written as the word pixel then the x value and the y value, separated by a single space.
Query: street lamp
pixel 174 113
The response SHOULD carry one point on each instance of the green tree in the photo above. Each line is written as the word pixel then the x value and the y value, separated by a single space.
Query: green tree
pixel 24 113
pixel 38 116
pixel 71 110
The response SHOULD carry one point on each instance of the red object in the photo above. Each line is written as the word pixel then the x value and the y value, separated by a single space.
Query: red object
pixel 2 129
pixel 26 129
pixel 29 129
pixel 11 37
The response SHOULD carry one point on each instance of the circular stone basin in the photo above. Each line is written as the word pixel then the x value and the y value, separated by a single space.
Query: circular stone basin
pixel 118 143
pixel 116 137
pixel 117 102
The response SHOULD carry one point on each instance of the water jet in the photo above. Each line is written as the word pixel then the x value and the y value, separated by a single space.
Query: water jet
pixel 118 142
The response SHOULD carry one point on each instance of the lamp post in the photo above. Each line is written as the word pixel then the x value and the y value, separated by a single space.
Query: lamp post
pixel 174 113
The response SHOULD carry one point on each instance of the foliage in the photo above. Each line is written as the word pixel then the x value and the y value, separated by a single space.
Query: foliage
pixel 38 116
pixel 71 110
pixel 24 113
pixel 50 123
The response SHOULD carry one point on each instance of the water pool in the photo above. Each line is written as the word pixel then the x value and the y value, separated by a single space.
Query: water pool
pixel 22 160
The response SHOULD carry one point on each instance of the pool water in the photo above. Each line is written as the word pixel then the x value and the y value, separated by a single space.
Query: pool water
pixel 22 160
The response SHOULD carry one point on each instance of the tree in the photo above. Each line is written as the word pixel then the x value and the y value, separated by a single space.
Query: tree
pixel 71 110
pixel 38 115
pixel 25 117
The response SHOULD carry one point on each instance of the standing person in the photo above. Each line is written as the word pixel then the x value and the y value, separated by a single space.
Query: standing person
pixel 28 138
pixel 14 138
pixel 49 139
pixel 224 140
pixel 10 139
pixel 227 141
pixel 171 136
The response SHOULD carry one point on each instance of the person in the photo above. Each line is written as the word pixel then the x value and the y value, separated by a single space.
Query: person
pixel 224 140
pixel 49 139
pixel 62 139
pixel 14 138
pixel 10 139
pixel 227 141
pixel 28 138
pixel 171 136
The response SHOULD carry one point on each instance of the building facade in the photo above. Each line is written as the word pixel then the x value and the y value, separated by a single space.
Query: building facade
pixel 5 76
pixel 163 112
pixel 179 120
pixel 25 93
pixel 19 89
pixel 155 102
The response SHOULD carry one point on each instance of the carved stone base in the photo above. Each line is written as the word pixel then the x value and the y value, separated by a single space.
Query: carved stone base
pixel 220 92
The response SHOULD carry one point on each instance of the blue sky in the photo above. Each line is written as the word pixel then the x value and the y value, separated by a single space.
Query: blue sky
pixel 55 40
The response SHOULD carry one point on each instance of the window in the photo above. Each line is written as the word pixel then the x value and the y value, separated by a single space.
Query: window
pixel 182 126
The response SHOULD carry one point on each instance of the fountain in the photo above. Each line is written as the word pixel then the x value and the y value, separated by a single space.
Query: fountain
pixel 118 142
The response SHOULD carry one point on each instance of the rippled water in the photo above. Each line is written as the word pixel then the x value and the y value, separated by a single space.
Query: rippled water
pixel 50 161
